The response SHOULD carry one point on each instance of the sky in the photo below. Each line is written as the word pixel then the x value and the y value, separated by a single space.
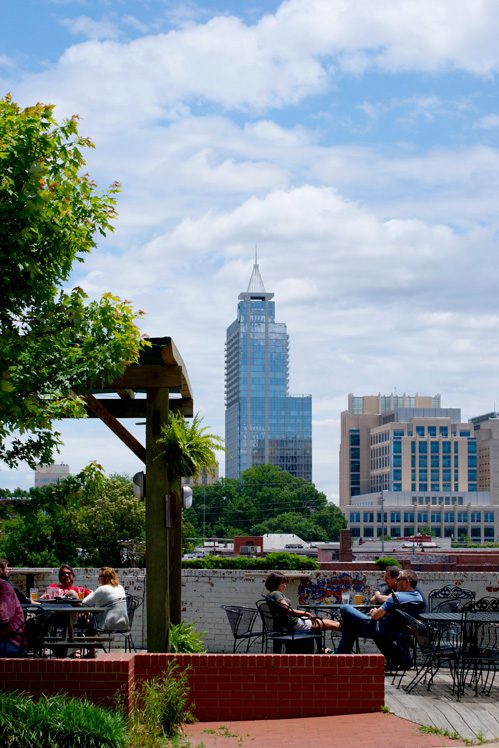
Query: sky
pixel 354 142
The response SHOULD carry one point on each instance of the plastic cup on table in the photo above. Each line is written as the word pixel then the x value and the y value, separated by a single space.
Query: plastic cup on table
pixel 358 599
pixel 345 598
pixel 33 594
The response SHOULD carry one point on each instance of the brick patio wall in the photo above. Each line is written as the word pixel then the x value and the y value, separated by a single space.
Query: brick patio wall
pixel 205 590
pixel 222 687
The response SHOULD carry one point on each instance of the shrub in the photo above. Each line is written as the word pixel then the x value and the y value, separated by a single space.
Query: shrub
pixel 161 706
pixel 184 638
pixel 282 560
pixel 55 721
pixel 385 561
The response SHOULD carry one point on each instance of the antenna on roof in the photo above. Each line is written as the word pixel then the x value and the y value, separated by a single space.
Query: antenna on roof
pixel 256 255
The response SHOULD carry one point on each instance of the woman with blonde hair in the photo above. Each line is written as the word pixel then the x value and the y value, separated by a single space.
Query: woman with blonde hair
pixel 110 595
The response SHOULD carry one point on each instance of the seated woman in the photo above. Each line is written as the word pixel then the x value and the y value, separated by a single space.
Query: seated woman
pixel 110 595
pixel 301 620
pixel 65 588
pixel 11 622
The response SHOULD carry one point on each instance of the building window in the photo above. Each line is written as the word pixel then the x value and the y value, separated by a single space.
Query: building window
pixel 488 517
pixel 354 516
pixel 476 517
pixel 436 517
pixel 394 516
pixel 408 516
pixel 368 517
pixel 444 431
pixel 422 518
pixel 419 430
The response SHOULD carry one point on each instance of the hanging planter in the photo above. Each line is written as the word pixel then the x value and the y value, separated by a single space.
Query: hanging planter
pixel 188 449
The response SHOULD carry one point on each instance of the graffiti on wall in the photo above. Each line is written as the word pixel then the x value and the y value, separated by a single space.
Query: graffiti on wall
pixel 327 590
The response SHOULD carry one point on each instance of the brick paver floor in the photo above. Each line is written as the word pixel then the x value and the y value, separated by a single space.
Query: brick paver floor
pixel 346 731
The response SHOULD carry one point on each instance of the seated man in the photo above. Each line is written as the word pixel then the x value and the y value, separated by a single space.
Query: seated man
pixel 382 625
pixel 11 622
pixel 389 585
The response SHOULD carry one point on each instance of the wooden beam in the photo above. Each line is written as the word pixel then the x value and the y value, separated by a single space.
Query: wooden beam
pixel 143 377
pixel 138 408
pixel 157 533
pixel 116 427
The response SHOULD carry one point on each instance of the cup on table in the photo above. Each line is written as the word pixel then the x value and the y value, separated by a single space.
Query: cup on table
pixel 33 594
pixel 81 594
pixel 358 599
pixel 345 598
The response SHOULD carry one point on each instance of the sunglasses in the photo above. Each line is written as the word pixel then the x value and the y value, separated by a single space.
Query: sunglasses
pixel 66 574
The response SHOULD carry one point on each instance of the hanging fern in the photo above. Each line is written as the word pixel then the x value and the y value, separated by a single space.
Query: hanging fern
pixel 188 449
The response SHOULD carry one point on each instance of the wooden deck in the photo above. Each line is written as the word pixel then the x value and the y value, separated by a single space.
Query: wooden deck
pixel 473 717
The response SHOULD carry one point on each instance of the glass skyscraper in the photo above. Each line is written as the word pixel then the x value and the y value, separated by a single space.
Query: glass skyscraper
pixel 263 423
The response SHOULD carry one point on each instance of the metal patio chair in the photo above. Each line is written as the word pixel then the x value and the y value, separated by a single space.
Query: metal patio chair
pixel 242 621
pixel 277 629
pixel 448 592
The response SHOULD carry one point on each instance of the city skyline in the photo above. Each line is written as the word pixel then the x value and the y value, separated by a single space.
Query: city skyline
pixel 356 144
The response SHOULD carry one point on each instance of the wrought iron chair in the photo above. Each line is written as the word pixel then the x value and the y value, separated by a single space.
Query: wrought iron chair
pixel 448 592
pixel 242 621
pixel 480 648
pixel 433 649
pixel 132 603
pixel 277 629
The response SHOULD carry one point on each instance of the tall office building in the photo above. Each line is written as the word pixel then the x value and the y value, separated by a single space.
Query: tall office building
pixel 263 423
pixel 408 463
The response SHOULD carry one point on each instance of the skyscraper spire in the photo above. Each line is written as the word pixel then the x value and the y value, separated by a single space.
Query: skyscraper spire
pixel 256 283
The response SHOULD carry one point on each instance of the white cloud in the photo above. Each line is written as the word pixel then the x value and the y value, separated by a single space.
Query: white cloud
pixel 89 28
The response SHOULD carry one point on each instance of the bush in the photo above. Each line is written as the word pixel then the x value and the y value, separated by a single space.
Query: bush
pixel 184 638
pixel 272 561
pixel 55 721
pixel 385 561
pixel 160 708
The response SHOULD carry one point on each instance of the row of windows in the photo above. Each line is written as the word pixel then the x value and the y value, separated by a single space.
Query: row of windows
pixel 408 532
pixel 475 517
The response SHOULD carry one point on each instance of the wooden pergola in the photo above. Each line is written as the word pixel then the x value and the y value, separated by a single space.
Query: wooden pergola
pixel 162 376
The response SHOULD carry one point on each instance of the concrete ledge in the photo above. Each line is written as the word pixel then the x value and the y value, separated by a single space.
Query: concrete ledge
pixel 222 686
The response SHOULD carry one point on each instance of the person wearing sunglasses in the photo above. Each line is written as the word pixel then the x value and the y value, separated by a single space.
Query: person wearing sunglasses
pixel 66 586
pixel 381 624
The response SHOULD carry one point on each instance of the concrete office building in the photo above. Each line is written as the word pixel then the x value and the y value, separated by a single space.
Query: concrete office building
pixel 263 423
pixel 49 474
pixel 407 463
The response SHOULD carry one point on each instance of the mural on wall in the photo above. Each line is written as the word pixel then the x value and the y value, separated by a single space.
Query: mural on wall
pixel 327 590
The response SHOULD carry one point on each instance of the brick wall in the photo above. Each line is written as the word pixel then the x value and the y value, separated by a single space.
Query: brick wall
pixel 237 687
pixel 101 680
pixel 222 687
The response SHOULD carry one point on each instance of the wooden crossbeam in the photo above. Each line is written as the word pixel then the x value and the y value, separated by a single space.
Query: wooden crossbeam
pixel 116 427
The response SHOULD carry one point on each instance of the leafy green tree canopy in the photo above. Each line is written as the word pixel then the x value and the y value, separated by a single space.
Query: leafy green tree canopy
pixel 265 499
pixel 52 343
pixel 81 520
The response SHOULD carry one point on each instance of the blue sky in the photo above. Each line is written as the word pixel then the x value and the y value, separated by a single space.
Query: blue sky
pixel 354 141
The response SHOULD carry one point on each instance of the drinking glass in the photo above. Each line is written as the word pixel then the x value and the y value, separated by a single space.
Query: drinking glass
pixel 345 598
pixel 358 599
pixel 33 594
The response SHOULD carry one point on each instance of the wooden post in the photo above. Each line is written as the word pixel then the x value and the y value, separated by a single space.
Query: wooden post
pixel 157 533
pixel 175 561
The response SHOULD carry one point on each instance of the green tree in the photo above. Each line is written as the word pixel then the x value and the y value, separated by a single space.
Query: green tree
pixel 52 343
pixel 262 493
pixel 290 522
pixel 81 520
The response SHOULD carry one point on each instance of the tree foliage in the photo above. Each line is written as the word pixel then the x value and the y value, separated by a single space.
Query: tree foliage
pixel 265 499
pixel 52 342
pixel 81 520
